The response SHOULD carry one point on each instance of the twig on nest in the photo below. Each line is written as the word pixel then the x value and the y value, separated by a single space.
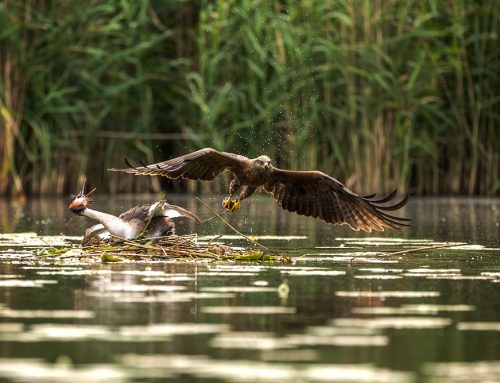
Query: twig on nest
pixel 238 232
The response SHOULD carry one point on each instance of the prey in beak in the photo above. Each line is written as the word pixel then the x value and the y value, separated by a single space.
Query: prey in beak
pixel 80 201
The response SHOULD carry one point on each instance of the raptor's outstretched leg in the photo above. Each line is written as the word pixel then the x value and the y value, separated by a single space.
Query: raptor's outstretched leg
pixel 233 188
pixel 246 191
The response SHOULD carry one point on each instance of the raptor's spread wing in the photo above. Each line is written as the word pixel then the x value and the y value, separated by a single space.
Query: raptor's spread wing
pixel 204 164
pixel 313 193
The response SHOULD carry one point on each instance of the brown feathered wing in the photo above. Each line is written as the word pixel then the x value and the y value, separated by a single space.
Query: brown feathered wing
pixel 204 164
pixel 315 194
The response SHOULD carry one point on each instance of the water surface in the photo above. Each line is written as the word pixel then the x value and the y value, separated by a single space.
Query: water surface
pixel 343 311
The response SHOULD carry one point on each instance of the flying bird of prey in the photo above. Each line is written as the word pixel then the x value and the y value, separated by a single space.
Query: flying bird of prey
pixel 309 193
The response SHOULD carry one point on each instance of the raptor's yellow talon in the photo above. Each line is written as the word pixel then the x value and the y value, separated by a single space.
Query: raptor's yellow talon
pixel 227 203
pixel 235 206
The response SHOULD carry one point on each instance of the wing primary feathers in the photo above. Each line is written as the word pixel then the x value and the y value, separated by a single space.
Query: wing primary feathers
pixel 385 199
pixel 394 219
pixel 394 222
pixel 129 164
pixel 396 206
pixel 393 216
pixel 375 219
pixel 203 164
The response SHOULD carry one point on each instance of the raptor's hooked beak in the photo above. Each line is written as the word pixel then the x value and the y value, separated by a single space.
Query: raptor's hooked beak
pixel 80 201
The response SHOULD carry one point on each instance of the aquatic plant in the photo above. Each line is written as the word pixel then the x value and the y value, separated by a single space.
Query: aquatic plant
pixel 78 89
pixel 380 93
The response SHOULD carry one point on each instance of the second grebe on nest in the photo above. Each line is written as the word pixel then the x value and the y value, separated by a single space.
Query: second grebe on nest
pixel 151 220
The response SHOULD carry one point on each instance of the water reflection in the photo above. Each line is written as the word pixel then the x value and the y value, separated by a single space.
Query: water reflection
pixel 344 312
pixel 446 219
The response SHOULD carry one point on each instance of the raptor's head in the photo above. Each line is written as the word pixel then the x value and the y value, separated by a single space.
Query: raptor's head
pixel 263 163
pixel 80 201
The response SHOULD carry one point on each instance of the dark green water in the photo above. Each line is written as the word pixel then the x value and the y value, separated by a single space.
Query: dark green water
pixel 347 313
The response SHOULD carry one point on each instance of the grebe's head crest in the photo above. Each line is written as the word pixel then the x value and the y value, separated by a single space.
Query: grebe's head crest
pixel 80 201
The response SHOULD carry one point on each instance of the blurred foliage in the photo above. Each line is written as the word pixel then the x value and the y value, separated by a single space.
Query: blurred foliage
pixel 380 94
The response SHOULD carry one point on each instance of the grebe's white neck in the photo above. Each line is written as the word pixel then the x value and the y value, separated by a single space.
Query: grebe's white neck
pixel 116 226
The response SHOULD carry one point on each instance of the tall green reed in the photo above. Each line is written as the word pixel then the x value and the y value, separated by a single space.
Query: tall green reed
pixel 380 94
pixel 86 67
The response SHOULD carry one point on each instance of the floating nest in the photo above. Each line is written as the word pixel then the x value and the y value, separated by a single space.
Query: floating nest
pixel 173 247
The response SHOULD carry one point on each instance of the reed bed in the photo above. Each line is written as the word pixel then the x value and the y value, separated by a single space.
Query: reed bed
pixel 380 94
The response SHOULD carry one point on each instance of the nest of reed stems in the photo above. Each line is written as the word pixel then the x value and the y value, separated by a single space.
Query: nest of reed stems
pixel 173 248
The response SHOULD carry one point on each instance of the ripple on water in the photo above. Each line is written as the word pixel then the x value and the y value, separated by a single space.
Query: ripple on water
pixel 174 297
pixel 313 271
pixel 73 272
pixel 396 241
pixel 11 327
pixel 169 329
pixel 36 370
pixel 355 257
pixel 249 340
pixel 128 287
pixel 376 270
pixel 239 289
pixel 253 371
pixel 378 276
pixel 387 294
pixel 32 314
pixel 423 309
pixel 268 341
pixel 236 268
pixel 78 332
pixel 480 371
pixel 26 282
pixel 394 322
pixel 249 310
pixel 479 326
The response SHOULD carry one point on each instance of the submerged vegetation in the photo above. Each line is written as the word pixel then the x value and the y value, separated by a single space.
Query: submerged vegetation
pixel 377 93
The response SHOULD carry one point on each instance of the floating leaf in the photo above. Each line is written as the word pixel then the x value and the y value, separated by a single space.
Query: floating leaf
pixel 108 258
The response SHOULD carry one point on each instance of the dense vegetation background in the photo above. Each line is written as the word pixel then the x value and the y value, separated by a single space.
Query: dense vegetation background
pixel 377 93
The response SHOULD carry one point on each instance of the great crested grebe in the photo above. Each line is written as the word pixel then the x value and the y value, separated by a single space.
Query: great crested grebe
pixel 153 220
